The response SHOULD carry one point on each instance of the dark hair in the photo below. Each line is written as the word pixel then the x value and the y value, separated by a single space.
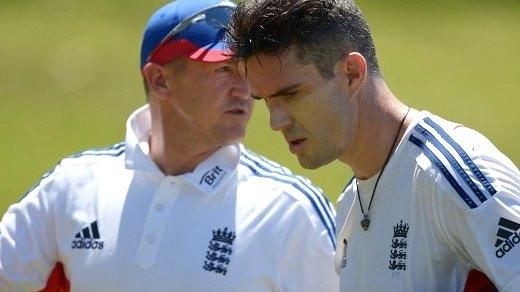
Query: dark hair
pixel 321 31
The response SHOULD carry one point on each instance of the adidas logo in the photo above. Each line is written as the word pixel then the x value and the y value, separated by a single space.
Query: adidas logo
pixel 88 238
pixel 507 235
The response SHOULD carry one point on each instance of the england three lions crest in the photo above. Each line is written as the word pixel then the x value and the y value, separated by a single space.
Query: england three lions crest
pixel 219 251
pixel 398 247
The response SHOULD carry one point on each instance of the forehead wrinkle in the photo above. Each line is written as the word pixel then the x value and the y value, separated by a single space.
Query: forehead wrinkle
pixel 278 59
pixel 280 92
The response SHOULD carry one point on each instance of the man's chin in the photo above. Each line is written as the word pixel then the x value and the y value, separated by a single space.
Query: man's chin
pixel 312 163
pixel 308 163
pixel 232 139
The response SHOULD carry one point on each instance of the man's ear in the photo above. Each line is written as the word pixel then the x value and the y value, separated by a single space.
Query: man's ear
pixel 156 78
pixel 353 67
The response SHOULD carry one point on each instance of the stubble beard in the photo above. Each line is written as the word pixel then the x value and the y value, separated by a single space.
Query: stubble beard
pixel 311 162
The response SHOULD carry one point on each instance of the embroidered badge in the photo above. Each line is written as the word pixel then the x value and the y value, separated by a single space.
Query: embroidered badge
pixel 219 251
pixel 398 247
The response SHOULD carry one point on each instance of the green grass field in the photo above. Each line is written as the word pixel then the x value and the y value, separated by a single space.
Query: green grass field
pixel 70 77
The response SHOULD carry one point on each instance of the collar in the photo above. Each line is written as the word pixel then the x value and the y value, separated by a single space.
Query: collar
pixel 207 177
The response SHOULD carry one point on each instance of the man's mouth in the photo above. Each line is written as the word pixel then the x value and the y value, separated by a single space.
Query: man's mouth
pixel 236 111
pixel 296 144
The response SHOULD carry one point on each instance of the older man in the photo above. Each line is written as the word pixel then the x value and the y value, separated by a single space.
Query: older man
pixel 180 205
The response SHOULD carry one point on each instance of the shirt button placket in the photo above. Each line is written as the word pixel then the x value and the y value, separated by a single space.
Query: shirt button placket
pixel 156 221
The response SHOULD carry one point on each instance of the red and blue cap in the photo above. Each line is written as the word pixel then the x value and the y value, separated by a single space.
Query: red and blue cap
pixel 194 29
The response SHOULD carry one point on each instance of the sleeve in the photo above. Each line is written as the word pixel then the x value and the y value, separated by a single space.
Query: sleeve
pixel 486 235
pixel 308 256
pixel 28 249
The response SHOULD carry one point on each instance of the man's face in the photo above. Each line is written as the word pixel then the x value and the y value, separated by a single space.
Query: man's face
pixel 316 116
pixel 211 104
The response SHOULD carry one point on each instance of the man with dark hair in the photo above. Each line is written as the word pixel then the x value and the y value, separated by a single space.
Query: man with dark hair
pixel 181 205
pixel 431 200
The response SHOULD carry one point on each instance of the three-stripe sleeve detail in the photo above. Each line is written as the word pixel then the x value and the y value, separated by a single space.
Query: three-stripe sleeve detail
pixel 447 155
pixel 114 150
pixel 271 166
pixel 465 157
pixel 453 182
pixel 284 171
pixel 452 161
pixel 263 168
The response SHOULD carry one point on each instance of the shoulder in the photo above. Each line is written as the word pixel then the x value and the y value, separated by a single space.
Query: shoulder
pixel 277 176
pixel 295 189
pixel 68 180
pixel 460 162
pixel 92 161
pixel 96 155
pixel 80 167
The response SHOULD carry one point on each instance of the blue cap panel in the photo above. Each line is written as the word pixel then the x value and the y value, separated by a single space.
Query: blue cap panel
pixel 168 16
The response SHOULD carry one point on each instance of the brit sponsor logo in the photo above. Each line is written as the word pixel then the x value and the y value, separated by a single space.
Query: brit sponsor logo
pixel 88 238
pixel 213 176
pixel 508 237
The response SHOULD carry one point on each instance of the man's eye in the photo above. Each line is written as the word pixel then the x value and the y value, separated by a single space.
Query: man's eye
pixel 224 69
pixel 290 94
pixel 255 97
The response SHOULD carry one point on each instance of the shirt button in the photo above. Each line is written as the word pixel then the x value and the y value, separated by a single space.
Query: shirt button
pixel 159 207
pixel 150 238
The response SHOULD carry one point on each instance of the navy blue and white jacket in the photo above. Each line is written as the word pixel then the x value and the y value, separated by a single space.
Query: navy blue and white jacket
pixel 447 202
pixel 238 222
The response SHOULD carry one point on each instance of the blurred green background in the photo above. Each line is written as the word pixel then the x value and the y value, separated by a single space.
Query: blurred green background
pixel 70 77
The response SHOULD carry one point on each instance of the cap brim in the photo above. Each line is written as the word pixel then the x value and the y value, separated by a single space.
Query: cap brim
pixel 214 52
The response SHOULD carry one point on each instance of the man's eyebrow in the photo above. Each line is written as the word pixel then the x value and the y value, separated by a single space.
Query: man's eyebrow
pixel 280 92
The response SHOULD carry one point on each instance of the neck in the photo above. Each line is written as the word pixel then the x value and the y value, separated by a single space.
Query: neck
pixel 176 159
pixel 380 115
pixel 173 150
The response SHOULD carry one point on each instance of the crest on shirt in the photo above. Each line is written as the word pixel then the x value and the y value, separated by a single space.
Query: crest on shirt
pixel 398 247
pixel 219 251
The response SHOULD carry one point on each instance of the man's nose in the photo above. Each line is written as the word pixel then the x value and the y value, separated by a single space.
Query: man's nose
pixel 279 117
pixel 240 87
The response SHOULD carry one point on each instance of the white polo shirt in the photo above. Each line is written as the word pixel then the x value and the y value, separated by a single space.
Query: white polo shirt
pixel 447 202
pixel 238 222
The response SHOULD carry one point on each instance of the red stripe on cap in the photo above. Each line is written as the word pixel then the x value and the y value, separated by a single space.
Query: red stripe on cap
pixel 184 48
